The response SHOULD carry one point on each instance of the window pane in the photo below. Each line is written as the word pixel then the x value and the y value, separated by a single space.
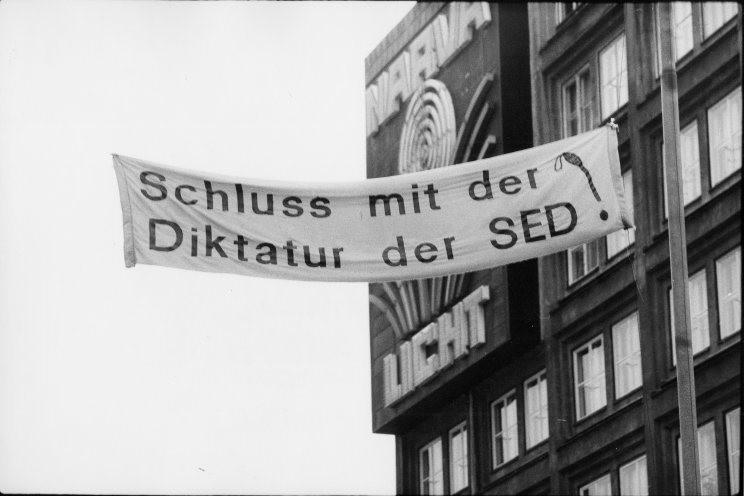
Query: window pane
pixel 536 410
pixel 724 136
pixel 690 158
pixel 430 459
pixel 589 374
pixel 614 77
pixel 627 355
pixel 458 458
pixel 728 278
pixel 504 428
pixel 700 330
pixel 706 438
pixel 715 15
pixel 599 487
pixel 682 25
pixel 634 478
pixel 733 440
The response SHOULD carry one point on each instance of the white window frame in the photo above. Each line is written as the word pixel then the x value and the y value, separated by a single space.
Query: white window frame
pixel 598 380
pixel 613 79
pixel 733 448
pixel 587 266
pixel 708 469
pixel 593 488
pixel 536 425
pixel 716 15
pixel 639 486
pixel 585 103
pixel 458 462
pixel 508 432
pixel 682 21
pixel 620 240
pixel 729 302
pixel 432 483
pixel 697 285
pixel 724 151
pixel 627 359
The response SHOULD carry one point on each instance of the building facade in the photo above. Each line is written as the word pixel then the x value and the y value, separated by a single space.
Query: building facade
pixel 561 377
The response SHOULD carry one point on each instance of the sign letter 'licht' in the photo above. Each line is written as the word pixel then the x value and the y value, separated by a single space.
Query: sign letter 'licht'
pixel 449 220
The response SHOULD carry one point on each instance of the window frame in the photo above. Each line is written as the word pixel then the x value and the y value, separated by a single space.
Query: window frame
pixel 715 181
pixel 734 413
pixel 462 429
pixel 539 378
pixel 593 482
pixel 712 424
pixel 604 113
pixel 426 482
pixel 627 464
pixel 702 272
pixel 636 353
pixel 577 385
pixel 504 400
pixel 730 253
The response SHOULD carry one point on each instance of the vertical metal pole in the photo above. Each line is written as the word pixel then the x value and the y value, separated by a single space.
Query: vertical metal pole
pixel 678 257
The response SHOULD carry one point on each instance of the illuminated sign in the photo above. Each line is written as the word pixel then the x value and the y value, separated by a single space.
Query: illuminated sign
pixel 433 48
pixel 436 346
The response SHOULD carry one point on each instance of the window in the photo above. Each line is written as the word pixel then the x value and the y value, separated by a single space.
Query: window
pixel 690 165
pixel 564 9
pixel 613 77
pixel 699 329
pixel 633 478
pixel 578 117
pixel 430 461
pixel 458 446
pixel 626 350
pixel 728 273
pixel 682 28
pixel 733 440
pixel 724 136
pixel 582 260
pixel 504 429
pixel 715 15
pixel 536 409
pixel 598 487
pixel 706 438
pixel 589 378
pixel 619 240
pixel 578 104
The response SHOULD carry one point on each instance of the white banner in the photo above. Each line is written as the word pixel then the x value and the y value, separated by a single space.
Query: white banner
pixel 450 220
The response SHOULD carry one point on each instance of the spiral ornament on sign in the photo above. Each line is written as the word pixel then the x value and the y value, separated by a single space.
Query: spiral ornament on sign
pixel 428 137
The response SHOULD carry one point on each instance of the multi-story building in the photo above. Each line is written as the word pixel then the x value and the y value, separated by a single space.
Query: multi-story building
pixel 563 379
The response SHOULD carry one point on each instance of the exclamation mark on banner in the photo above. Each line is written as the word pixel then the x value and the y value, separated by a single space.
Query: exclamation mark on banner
pixel 574 159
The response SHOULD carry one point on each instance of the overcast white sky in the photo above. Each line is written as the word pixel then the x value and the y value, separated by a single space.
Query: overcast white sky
pixel 156 380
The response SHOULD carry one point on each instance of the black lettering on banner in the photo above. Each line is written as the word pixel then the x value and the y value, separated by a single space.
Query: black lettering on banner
pixel 214 244
pixel 210 196
pixel 402 261
pixel 526 226
pixel 509 181
pixel 176 229
pixel 292 207
pixel 551 221
pixel 320 205
pixel 269 204
pixel 485 185
pixel 241 243
pixel 179 195
pixel 507 232
pixel 144 180
pixel 423 249
pixel 269 257
pixel 386 199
